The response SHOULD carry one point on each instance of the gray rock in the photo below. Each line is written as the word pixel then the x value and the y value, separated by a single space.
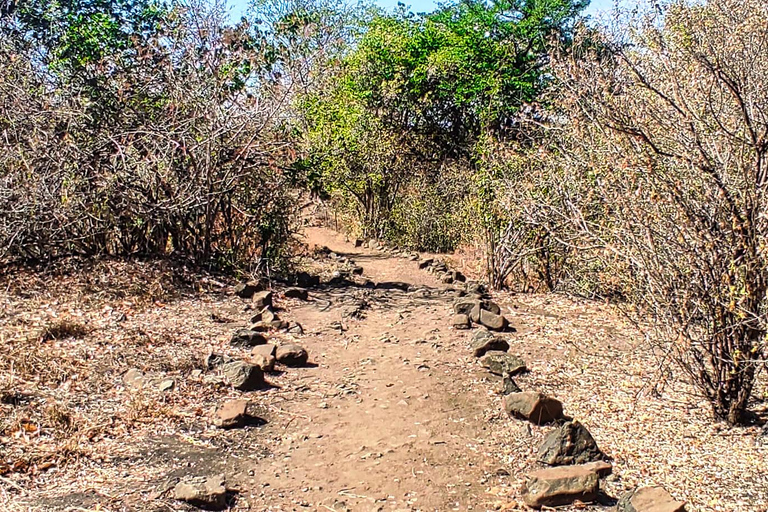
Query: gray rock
pixel 464 306
pixel 262 299
pixel 483 342
pixel 246 290
pixel 426 263
pixel 292 355
pixel 458 276
pixel 266 315
pixel 509 386
pixel 357 271
pixel 247 338
pixel 243 376
pixel 208 493
pixel 649 499
pixel 555 487
pixel 446 279
pixel 297 293
pixel 570 443
pixel 534 407
pixel 499 363
pixel 461 322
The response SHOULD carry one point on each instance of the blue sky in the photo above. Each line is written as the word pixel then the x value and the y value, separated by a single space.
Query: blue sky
pixel 596 6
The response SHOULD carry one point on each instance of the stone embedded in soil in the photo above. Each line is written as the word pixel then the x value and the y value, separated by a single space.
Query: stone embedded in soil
pixel 563 485
pixel 262 299
pixel 483 342
pixel 233 414
pixel 243 376
pixel 208 493
pixel 297 293
pixel 534 407
pixel 247 338
pixel 246 290
pixel 649 499
pixel 291 355
pixel 499 363
pixel 134 379
pixel 570 443
pixel 461 322
pixel 509 386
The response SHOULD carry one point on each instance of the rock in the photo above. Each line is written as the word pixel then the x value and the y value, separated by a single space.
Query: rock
pixel 491 320
pixel 279 324
pixel 509 386
pixel 426 263
pixel 570 443
pixel 266 315
pixel 357 271
pixel 499 363
pixel 474 288
pixel 247 338
pixel 233 414
pixel 464 306
pixel 307 280
pixel 296 329
pixel 166 385
pixel 461 322
pixel 358 242
pixel 484 341
pixel 458 276
pixel 447 279
pixel 413 257
pixel 393 285
pixel 216 360
pixel 207 493
pixel 559 486
pixel 649 499
pixel 263 356
pixel 134 379
pixel 291 355
pixel 297 293
pixel 534 407
pixel 261 327
pixel 246 290
pixel 600 467
pixel 243 376
pixel 262 299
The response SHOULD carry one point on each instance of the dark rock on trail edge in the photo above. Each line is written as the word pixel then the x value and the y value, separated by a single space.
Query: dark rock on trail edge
pixel 570 443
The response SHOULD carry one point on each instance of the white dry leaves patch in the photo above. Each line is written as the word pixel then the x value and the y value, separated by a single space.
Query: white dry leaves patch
pixel 587 356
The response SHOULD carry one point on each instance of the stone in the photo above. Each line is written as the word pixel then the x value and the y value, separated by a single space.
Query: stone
pixel 474 288
pixel 358 242
pixel 216 360
pixel 166 385
pixel 458 276
pixel 447 279
pixel 600 467
pixel 262 299
pixel 297 293
pixel 499 363
pixel 247 338
pixel 296 329
pixel 464 306
pixel 261 327
pixel 263 356
pixel 279 324
pixel 509 386
pixel 233 414
pixel 534 407
pixel 426 263
pixel 649 499
pixel 491 320
pixel 243 376
pixel 134 379
pixel 413 257
pixel 208 493
pixel 555 487
pixel 570 443
pixel 291 355
pixel 357 271
pixel 266 315
pixel 307 280
pixel 484 341
pixel 246 290
pixel 461 322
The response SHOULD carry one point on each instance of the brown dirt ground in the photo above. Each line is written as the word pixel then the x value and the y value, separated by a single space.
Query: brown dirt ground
pixel 396 414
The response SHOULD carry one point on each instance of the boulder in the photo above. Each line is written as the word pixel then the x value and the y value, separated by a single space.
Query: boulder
pixel 246 290
pixel 483 305
pixel 534 407
pixel 247 338
pixel 649 499
pixel 207 493
pixel 297 293
pixel 570 443
pixel 291 355
pixel 263 356
pixel 266 315
pixel 483 342
pixel 233 414
pixel 461 322
pixel 243 376
pixel 464 306
pixel 491 320
pixel 499 363
pixel 600 467
pixel 262 299
pixel 555 487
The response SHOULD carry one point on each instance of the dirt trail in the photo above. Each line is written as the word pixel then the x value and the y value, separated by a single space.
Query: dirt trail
pixel 401 428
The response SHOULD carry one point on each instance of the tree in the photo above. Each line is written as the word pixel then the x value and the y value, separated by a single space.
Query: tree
pixel 674 124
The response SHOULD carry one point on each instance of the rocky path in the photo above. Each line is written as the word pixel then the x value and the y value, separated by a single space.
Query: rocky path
pixel 400 429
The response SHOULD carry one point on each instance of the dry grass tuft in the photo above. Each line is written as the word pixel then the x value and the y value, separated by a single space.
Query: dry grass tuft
pixel 62 329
